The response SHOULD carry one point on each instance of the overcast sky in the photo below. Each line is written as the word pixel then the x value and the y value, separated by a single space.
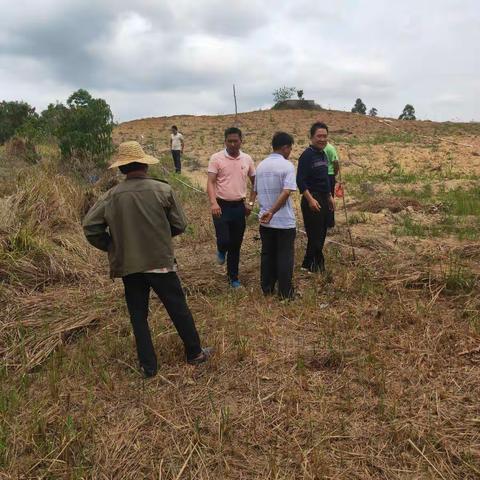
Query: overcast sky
pixel 163 57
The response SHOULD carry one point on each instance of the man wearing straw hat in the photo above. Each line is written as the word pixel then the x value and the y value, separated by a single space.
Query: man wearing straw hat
pixel 135 222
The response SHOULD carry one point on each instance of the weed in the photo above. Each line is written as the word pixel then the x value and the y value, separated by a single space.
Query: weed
pixel 242 346
pixel 458 278
pixel 224 424
pixel 423 194
pixel 356 218
pixel 409 227
pixel 462 202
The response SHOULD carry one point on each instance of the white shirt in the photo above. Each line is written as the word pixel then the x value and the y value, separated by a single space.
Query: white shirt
pixel 176 141
pixel 275 174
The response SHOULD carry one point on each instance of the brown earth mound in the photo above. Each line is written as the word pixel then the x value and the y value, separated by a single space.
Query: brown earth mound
pixel 395 205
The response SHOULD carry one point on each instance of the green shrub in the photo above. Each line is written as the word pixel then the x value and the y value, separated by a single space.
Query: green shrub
pixel 12 116
pixel 83 128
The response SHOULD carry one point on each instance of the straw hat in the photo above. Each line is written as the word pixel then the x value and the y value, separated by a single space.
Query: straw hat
pixel 129 152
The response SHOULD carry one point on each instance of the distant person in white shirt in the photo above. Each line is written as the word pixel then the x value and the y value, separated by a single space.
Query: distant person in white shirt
pixel 176 146
pixel 274 182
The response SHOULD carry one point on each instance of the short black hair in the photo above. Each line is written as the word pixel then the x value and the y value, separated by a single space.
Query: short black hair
pixel 175 127
pixel 316 126
pixel 132 167
pixel 233 131
pixel 281 139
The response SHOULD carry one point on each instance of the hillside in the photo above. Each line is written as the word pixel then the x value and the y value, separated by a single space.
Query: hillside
pixel 372 374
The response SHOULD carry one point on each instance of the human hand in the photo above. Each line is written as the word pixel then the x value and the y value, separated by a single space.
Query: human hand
pixel 266 217
pixel 216 210
pixel 248 209
pixel 331 204
pixel 314 205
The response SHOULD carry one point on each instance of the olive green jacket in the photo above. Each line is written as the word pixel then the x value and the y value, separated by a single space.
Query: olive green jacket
pixel 135 222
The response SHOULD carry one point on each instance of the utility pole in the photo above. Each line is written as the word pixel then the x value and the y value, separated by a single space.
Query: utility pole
pixel 235 100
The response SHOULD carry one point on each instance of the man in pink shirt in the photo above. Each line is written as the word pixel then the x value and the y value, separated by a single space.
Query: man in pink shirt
pixel 227 189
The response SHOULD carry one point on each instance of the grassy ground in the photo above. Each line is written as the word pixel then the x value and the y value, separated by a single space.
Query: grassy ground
pixel 373 373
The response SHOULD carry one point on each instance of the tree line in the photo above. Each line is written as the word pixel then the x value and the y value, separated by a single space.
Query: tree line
pixel 286 93
pixel 408 112
pixel 82 128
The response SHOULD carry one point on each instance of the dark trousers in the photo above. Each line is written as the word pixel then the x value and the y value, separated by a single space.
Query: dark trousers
pixel 316 227
pixel 333 181
pixel 229 229
pixel 278 246
pixel 169 290
pixel 176 154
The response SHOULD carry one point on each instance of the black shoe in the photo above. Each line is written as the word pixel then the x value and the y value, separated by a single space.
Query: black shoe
pixel 149 372
pixel 202 357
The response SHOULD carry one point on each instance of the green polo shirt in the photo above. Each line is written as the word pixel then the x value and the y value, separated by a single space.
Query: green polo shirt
pixel 332 155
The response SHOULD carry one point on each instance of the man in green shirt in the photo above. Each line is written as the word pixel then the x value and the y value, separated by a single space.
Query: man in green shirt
pixel 332 157
pixel 333 166
pixel 135 222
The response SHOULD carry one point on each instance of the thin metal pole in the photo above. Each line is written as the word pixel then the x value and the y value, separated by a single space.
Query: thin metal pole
pixel 345 210
pixel 235 100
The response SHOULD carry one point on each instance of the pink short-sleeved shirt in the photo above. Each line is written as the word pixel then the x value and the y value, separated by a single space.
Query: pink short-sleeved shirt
pixel 232 174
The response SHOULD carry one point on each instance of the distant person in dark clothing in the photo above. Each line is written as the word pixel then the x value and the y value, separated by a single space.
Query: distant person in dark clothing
pixel 317 201
pixel 176 146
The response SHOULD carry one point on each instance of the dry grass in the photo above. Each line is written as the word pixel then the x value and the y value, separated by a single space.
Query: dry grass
pixel 372 374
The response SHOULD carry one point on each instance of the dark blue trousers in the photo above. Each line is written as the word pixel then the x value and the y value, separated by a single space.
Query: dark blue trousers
pixel 176 155
pixel 229 229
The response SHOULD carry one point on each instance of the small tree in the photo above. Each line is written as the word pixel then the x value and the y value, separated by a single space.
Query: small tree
pixel 300 94
pixel 408 113
pixel 359 107
pixel 83 128
pixel 283 93
pixel 51 119
pixel 373 112
pixel 12 116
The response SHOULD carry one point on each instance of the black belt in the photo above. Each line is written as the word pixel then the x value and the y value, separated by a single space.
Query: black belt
pixel 229 202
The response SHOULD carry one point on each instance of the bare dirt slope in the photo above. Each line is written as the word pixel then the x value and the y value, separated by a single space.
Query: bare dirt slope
pixel 371 142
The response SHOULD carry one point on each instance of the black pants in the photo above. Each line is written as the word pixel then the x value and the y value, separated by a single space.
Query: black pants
pixel 316 224
pixel 176 154
pixel 333 181
pixel 169 290
pixel 229 228
pixel 278 246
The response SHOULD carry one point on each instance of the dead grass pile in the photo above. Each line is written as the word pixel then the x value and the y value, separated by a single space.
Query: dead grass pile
pixel 46 201
pixel 41 240
pixel 41 245
pixel 21 149
pixel 37 324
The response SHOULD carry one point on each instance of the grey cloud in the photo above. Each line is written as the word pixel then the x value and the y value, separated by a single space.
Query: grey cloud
pixel 184 56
